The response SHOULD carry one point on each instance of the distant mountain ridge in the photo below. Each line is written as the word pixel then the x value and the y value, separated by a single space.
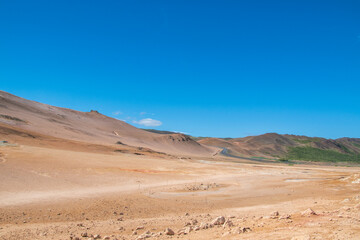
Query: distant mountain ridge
pixel 293 147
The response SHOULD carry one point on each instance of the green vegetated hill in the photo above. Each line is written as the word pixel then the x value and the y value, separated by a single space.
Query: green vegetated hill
pixel 291 147
pixel 286 147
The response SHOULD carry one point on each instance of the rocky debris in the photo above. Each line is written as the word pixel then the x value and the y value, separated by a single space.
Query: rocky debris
pixel 188 229
pixel 201 187
pixel 145 235
pixel 197 228
pixel 84 234
pixel 286 216
pixel 106 238
pixel 308 212
pixel 97 236
pixel 204 225
pixel 346 209
pixel 169 231
pixel 228 223
pixel 187 224
pixel 218 221
pixel 187 214
pixel 194 222
pixel 274 215
pixel 139 228
pixel 240 230
pixel 157 234
pixel 181 231
pixel 356 181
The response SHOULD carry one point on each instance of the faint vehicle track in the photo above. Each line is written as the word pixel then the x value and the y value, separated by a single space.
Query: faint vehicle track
pixel 2 159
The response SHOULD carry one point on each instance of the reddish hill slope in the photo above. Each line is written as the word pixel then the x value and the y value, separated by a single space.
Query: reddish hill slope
pixel 91 127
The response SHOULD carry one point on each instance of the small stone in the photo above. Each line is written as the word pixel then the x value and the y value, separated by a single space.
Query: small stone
pixel 287 216
pixel 169 231
pixel 218 221
pixel 204 225
pixel 308 212
pixel 274 215
pixel 228 223
pixel 188 230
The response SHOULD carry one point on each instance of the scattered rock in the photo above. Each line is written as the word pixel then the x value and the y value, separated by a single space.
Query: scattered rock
pixel 240 230
pixel 181 231
pixel 187 224
pixel 188 230
pixel 169 231
pixel 274 215
pixel 84 234
pixel 139 228
pixel 218 221
pixel 308 212
pixel 286 216
pixel 204 225
pixel 228 223
pixel 145 235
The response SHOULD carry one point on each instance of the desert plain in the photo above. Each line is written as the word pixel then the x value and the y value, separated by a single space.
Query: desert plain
pixel 73 175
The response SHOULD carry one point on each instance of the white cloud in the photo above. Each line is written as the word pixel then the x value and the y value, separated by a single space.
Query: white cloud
pixel 181 132
pixel 116 113
pixel 148 122
pixel 146 113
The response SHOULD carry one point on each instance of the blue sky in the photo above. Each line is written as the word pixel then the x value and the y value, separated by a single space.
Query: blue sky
pixel 207 68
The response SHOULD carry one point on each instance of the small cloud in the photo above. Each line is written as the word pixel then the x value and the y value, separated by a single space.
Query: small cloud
pixel 182 132
pixel 148 122
pixel 116 113
pixel 146 113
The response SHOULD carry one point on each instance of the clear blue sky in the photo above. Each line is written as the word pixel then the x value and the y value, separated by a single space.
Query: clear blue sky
pixel 207 68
